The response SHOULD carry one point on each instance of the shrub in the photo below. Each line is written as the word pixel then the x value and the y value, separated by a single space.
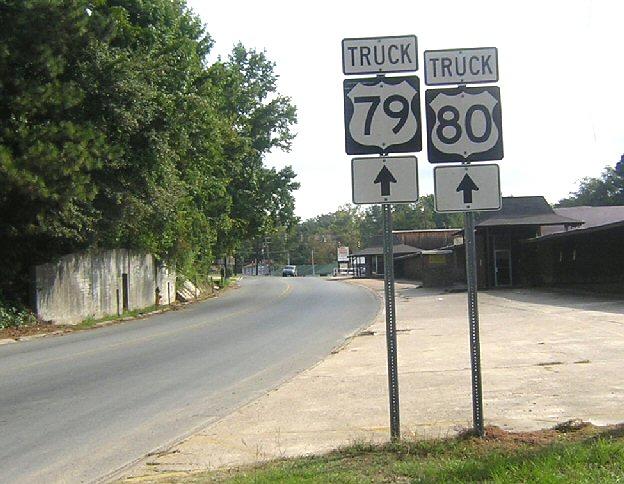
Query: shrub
pixel 14 317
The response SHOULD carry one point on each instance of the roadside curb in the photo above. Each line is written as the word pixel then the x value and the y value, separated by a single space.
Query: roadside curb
pixel 380 312
pixel 121 473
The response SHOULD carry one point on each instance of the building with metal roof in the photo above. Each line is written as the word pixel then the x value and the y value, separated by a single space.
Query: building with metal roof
pixel 587 255
pixel 369 262
pixel 527 242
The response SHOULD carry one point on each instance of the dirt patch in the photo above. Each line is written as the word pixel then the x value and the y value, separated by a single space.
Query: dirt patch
pixel 572 430
pixel 22 331
pixel 541 437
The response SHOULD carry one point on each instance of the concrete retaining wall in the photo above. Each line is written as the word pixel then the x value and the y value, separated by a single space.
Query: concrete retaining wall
pixel 97 284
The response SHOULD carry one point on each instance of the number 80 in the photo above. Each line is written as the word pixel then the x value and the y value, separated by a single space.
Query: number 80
pixel 453 122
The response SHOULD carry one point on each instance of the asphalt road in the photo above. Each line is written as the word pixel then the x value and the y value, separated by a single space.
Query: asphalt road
pixel 75 408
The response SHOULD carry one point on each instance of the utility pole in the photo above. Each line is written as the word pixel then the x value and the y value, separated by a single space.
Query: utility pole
pixel 287 250
pixel 257 256
pixel 313 272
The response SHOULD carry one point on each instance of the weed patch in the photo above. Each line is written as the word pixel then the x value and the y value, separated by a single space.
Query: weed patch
pixel 571 452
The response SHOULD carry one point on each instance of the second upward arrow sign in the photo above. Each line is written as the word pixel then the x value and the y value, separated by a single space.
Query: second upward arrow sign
pixel 466 188
pixel 467 185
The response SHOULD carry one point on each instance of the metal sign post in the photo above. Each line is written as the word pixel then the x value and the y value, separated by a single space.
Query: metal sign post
pixel 391 339
pixel 465 125
pixel 473 318
pixel 382 115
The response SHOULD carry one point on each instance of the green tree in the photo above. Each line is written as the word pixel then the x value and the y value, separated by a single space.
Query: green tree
pixel 608 189
pixel 114 132
pixel 49 146
pixel 261 121
pixel 324 234
pixel 411 216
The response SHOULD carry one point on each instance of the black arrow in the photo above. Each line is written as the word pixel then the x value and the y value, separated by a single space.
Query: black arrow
pixel 385 177
pixel 467 186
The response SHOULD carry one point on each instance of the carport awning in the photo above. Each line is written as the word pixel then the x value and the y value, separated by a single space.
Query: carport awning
pixel 397 249
pixel 544 219
pixel 426 252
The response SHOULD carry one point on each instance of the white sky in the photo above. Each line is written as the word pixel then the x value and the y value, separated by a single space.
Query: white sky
pixel 561 66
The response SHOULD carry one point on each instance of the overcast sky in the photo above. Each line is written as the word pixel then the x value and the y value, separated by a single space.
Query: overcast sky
pixel 561 70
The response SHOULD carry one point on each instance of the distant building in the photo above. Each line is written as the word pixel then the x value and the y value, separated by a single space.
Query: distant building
pixel 369 262
pixel 261 268
pixel 500 236
pixel 425 255
pixel 589 254
pixel 526 243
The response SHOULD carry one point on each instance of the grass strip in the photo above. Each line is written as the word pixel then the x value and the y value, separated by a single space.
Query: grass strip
pixel 586 454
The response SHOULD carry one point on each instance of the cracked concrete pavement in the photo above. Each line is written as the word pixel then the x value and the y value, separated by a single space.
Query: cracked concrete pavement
pixel 546 356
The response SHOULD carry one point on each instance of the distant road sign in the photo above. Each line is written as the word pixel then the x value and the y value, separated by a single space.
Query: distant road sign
pixel 467 188
pixel 464 124
pixel 343 254
pixel 376 55
pixel 382 115
pixel 385 179
pixel 461 66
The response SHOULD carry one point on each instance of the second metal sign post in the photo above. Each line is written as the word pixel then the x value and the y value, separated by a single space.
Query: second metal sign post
pixel 464 125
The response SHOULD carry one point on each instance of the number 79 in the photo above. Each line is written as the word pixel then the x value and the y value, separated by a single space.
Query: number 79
pixel 401 114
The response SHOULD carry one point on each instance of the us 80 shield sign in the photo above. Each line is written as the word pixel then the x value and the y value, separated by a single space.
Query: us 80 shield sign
pixel 382 115
pixel 464 124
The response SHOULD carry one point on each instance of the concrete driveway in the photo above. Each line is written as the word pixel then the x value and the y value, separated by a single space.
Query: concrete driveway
pixel 547 357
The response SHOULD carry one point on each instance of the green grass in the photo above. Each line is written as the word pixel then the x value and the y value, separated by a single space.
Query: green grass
pixel 91 322
pixel 585 456
pixel 230 281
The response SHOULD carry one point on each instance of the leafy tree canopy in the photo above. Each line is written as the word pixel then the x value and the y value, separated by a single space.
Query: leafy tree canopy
pixel 608 189
pixel 115 132
pixel 352 226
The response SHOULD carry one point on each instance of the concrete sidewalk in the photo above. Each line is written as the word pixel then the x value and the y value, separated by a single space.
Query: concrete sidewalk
pixel 547 357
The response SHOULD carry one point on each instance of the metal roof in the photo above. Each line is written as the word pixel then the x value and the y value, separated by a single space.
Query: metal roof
pixel 579 232
pixel 397 249
pixel 426 252
pixel 592 216
pixel 523 211
pixel 419 231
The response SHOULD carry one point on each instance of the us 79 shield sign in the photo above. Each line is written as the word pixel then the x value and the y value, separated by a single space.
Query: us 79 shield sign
pixel 464 124
pixel 382 115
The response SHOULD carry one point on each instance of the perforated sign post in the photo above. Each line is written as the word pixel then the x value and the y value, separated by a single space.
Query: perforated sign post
pixel 464 125
pixel 382 116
